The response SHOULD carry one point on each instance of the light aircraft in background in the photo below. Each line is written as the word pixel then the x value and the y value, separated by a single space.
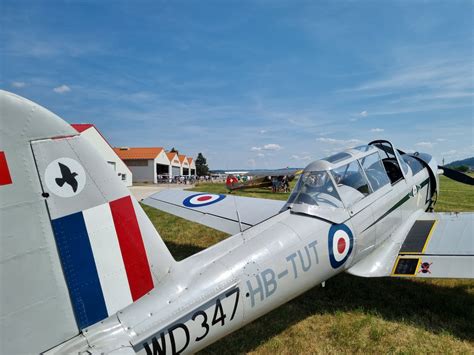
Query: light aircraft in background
pixel 261 178
pixel 83 270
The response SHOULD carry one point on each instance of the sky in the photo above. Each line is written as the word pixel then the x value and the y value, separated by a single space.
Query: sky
pixel 250 84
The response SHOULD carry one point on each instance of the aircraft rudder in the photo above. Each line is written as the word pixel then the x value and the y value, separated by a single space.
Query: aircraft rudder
pixel 70 222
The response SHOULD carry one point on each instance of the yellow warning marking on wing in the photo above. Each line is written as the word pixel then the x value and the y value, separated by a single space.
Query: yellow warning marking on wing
pixel 429 236
pixel 415 271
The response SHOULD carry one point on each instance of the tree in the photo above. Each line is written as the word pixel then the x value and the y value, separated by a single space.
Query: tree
pixel 201 165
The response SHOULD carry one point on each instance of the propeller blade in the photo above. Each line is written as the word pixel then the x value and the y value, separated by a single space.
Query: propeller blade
pixel 457 175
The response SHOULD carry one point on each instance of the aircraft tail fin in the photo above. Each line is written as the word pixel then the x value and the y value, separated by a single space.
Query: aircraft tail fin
pixel 70 230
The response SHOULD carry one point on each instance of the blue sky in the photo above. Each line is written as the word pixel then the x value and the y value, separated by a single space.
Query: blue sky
pixel 258 84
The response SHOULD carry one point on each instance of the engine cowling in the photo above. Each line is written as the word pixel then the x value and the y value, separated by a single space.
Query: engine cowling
pixel 431 165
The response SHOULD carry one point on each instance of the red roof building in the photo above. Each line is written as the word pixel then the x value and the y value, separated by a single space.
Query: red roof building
pixel 93 136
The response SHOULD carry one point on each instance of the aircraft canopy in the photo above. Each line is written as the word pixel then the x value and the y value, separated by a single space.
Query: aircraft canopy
pixel 330 186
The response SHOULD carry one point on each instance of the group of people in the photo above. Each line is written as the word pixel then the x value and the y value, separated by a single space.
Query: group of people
pixel 280 183
pixel 180 179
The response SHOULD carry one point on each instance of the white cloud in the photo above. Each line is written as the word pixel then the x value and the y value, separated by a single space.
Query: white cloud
pixel 260 155
pixel 457 154
pixel 62 89
pixel 441 139
pixel 449 152
pixel 355 117
pixel 303 158
pixel 18 84
pixel 435 74
pixel 271 146
pixel 424 144
pixel 418 84
pixel 263 131
pixel 418 107
pixel 377 130
pixel 342 142
pixel 327 140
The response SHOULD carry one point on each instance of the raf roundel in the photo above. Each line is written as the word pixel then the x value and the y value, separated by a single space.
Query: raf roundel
pixel 200 200
pixel 340 244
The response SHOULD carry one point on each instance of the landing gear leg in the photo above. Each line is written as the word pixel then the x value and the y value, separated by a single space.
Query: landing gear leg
pixel 432 202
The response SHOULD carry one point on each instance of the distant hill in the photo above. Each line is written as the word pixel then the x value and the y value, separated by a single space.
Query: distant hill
pixel 468 162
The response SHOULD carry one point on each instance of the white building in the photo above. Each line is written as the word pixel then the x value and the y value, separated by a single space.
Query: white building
pixel 145 163
pixel 175 164
pixel 184 165
pixel 192 166
pixel 92 134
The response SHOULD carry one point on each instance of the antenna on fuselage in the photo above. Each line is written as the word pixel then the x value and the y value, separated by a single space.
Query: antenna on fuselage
pixel 238 214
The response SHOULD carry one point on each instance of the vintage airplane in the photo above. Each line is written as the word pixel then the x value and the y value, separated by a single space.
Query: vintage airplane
pixel 84 271
pixel 261 178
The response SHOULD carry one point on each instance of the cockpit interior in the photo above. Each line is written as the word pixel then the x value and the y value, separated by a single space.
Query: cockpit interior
pixel 343 179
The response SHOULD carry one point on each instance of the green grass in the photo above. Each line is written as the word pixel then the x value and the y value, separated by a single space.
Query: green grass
pixel 351 314
pixel 454 197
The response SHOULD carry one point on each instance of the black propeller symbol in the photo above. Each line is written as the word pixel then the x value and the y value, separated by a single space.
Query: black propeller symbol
pixel 67 177
pixel 456 175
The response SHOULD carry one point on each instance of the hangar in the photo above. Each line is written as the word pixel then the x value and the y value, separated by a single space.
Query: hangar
pixel 192 166
pixel 145 163
pixel 184 164
pixel 138 164
pixel 175 164
pixel 93 135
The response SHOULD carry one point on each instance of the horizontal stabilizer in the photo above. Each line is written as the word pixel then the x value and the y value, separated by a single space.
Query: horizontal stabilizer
pixel 227 213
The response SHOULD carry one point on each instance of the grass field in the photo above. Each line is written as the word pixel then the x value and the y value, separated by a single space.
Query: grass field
pixel 351 314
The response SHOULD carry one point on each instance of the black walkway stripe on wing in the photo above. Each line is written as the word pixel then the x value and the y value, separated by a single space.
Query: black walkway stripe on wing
pixel 398 204
pixel 418 237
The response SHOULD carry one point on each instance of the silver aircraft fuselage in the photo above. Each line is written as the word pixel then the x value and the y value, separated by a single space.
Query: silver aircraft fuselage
pixel 84 269
pixel 230 284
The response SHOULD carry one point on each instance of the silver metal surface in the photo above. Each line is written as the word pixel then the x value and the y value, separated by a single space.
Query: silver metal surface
pixel 222 215
pixel 273 255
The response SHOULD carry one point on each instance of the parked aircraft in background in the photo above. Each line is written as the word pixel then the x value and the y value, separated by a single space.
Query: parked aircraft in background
pixel 84 271
pixel 261 178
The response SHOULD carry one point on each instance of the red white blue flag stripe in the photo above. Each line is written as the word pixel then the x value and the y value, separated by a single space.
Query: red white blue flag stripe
pixel 5 177
pixel 104 259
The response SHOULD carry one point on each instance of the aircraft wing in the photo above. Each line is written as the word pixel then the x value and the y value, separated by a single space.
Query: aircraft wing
pixel 227 213
pixel 435 245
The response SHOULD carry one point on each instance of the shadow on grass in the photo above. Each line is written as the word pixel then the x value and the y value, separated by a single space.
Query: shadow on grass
pixel 437 309
pixel 182 251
